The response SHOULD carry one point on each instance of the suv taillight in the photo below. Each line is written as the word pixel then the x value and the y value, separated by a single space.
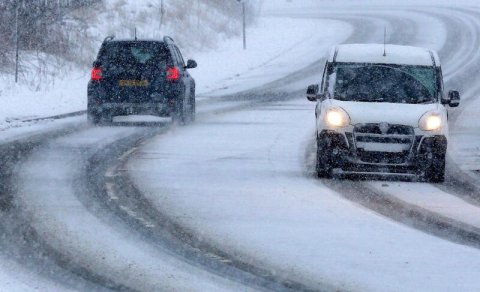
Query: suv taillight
pixel 96 74
pixel 173 74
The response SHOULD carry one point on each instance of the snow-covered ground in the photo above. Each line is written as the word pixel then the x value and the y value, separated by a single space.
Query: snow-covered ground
pixel 466 143
pixel 239 180
pixel 431 198
pixel 15 278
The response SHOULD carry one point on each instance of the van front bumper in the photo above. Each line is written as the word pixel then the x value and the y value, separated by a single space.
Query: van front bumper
pixel 345 154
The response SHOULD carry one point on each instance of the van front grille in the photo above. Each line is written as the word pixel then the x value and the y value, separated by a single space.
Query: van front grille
pixel 383 143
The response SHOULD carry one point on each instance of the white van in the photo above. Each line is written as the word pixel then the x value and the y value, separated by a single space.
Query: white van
pixel 381 110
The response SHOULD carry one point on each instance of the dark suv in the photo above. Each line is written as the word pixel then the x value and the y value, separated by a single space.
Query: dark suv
pixel 141 77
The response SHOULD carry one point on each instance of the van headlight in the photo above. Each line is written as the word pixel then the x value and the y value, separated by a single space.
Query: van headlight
pixel 337 117
pixel 431 121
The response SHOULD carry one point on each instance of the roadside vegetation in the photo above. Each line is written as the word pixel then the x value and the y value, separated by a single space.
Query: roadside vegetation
pixel 56 37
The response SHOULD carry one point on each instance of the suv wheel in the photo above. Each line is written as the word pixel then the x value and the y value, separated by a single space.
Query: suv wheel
pixel 93 116
pixel 192 106
pixel 179 116
pixel 107 118
pixel 323 167
pixel 435 173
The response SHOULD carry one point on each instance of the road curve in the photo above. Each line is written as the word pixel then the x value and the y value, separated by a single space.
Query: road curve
pixel 107 200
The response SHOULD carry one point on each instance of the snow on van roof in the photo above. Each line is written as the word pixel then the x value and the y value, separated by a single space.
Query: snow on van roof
pixel 373 53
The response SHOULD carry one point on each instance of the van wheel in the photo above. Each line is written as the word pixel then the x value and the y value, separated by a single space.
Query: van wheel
pixel 435 173
pixel 323 167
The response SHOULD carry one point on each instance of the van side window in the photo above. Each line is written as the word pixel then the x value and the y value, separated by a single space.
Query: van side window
pixel 440 82
pixel 322 86
pixel 328 78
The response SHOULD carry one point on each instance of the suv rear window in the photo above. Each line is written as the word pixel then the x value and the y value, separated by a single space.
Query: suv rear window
pixel 134 53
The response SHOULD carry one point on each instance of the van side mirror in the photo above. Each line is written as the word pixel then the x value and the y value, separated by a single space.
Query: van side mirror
pixel 312 92
pixel 191 64
pixel 454 98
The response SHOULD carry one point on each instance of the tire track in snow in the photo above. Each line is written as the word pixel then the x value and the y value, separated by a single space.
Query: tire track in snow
pixel 116 191
pixel 21 242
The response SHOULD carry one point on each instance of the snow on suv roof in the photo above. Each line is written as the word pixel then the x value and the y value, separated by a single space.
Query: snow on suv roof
pixel 373 53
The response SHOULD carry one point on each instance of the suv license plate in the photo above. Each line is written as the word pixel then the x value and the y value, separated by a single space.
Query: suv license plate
pixel 133 83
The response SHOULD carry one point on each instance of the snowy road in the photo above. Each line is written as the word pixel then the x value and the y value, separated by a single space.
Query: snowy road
pixel 231 202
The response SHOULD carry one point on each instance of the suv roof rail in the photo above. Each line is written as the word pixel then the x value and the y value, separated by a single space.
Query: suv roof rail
pixel 109 38
pixel 168 39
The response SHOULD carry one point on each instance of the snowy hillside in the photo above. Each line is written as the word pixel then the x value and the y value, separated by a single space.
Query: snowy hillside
pixel 195 25
pixel 50 85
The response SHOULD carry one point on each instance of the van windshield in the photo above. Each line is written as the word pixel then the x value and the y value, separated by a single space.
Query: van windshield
pixel 384 83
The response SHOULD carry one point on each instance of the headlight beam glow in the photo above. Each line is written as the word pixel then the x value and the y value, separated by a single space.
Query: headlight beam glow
pixel 431 121
pixel 337 117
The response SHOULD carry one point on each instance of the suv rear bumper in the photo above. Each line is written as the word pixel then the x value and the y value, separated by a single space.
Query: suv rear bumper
pixel 164 109
pixel 340 152
pixel 103 99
